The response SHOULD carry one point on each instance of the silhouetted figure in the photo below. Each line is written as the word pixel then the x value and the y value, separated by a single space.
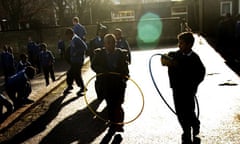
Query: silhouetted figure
pixel 97 42
pixel 18 86
pixel 23 62
pixel 122 43
pixel 47 61
pixel 112 59
pixel 61 47
pixel 34 49
pixel 7 62
pixel 79 29
pixel 184 26
pixel 75 57
pixel 226 36
pixel 186 72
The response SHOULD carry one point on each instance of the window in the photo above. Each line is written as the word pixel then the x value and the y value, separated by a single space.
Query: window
pixel 127 15
pixel 179 10
pixel 225 7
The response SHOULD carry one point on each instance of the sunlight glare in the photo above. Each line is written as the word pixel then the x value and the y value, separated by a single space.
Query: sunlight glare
pixel 149 30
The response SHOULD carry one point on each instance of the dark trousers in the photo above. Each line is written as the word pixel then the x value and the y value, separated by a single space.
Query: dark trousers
pixel 98 88
pixel 75 73
pixel 7 104
pixel 17 96
pixel 46 71
pixel 114 91
pixel 185 109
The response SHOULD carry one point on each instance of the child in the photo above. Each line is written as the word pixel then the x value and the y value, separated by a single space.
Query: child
pixel 186 72
pixel 18 87
pixel 46 60
pixel 23 63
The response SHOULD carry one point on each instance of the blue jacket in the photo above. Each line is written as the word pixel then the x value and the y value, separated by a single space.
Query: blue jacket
pixel 77 50
pixel 46 58
pixel 17 82
pixel 123 43
pixel 95 43
pixel 79 30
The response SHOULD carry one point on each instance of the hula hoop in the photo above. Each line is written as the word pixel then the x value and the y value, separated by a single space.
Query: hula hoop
pixel 103 119
pixel 160 94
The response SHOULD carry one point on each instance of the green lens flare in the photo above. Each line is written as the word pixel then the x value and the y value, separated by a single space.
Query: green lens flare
pixel 149 30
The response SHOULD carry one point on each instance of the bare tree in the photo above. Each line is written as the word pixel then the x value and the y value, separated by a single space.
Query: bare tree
pixel 41 11
pixel 84 8
pixel 60 8
pixel 22 10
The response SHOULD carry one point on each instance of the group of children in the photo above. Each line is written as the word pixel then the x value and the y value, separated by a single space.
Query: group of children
pixel 185 69
pixel 17 76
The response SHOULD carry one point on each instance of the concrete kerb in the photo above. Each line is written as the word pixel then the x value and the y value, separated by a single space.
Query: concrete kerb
pixel 15 116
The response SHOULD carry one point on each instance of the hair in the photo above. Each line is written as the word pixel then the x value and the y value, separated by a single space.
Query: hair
pixel 186 37
pixel 76 19
pixel 30 71
pixel 43 45
pixel 118 29
pixel 110 38
pixel 101 28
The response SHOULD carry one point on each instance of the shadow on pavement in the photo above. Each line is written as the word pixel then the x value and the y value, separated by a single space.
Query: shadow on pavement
pixel 107 138
pixel 81 127
pixel 40 124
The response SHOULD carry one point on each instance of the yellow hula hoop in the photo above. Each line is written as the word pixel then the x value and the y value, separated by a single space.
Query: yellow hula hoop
pixel 105 120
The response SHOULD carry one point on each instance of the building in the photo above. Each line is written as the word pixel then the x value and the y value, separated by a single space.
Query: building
pixel 212 11
pixel 202 15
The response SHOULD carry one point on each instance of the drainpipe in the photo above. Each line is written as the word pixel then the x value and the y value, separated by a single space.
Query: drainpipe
pixel 201 15
pixel 238 6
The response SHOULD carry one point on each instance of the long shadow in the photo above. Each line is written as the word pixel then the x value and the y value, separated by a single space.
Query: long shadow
pixel 196 140
pixel 40 124
pixel 81 127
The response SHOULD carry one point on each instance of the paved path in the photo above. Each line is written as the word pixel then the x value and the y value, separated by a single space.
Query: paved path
pixel 39 90
pixel 218 98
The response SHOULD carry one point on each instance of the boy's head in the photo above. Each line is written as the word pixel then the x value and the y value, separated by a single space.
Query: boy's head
pixel 110 42
pixel 102 30
pixel 75 20
pixel 118 33
pixel 185 41
pixel 43 46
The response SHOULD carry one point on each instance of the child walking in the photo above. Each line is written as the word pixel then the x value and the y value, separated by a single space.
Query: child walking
pixel 186 72
pixel 47 60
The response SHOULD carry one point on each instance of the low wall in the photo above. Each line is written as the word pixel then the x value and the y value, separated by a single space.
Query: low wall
pixel 18 39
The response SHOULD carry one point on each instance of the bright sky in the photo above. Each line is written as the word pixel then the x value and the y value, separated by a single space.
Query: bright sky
pixel 116 1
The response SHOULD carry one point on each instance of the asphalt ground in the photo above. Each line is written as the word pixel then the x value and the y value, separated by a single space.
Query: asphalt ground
pixel 39 90
pixel 222 74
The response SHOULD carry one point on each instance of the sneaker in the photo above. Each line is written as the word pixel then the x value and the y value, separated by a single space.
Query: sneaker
pixel 80 93
pixel 68 89
pixel 83 89
pixel 27 101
